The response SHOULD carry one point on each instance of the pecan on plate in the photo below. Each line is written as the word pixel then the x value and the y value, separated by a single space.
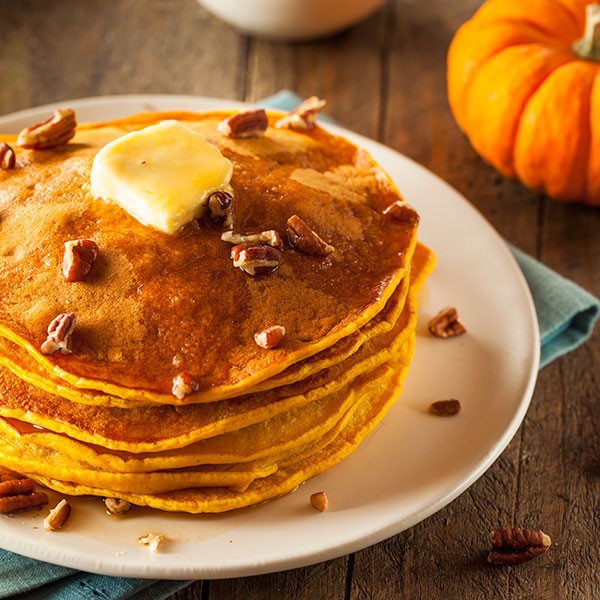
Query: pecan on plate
pixel 402 212
pixel 303 117
pixel 58 516
pixel 152 540
pixel 512 545
pixel 445 408
pixel 116 506
pixel 305 240
pixel 255 259
pixel 270 237
pixel 10 504
pixel 55 131
pixel 183 385
pixel 7 157
pixel 78 259
pixel 60 332
pixel 19 494
pixel 219 207
pixel 319 501
pixel 15 487
pixel 245 124
pixel 270 337
pixel 446 324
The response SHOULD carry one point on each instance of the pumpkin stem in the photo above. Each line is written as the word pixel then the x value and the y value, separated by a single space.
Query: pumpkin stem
pixel 588 47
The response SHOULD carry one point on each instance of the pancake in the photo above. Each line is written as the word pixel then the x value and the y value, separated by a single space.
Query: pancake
pixel 169 289
pixel 286 479
pixel 104 418
pixel 277 436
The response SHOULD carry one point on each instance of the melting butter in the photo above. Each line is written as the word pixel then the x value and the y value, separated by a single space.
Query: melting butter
pixel 162 175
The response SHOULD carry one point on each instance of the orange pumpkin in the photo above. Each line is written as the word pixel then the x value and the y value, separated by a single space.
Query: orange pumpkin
pixel 524 85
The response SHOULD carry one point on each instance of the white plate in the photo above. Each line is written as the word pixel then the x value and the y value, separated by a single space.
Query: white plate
pixel 412 465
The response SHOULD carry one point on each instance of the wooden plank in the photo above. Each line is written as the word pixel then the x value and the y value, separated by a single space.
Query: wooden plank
pixel 116 48
pixel 345 70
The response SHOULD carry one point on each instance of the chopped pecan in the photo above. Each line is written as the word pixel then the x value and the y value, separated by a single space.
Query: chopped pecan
pixel 319 501
pixel 219 207
pixel 58 516
pixel 270 337
pixel 245 124
pixel 183 385
pixel 512 545
pixel 57 130
pixel 152 540
pixel 445 408
pixel 7 157
pixel 255 259
pixel 303 117
pixel 446 324
pixel 304 239
pixel 78 259
pixel 116 506
pixel 403 212
pixel 60 332
pixel 270 237
pixel 9 504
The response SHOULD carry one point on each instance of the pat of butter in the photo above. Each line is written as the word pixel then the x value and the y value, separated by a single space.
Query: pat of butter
pixel 162 175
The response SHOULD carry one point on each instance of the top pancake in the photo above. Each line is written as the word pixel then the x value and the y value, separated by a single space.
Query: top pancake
pixel 155 304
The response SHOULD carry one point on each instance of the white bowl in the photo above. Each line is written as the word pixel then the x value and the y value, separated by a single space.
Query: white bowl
pixel 291 19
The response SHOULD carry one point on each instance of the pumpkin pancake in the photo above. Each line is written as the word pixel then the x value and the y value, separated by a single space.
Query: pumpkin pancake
pixel 288 476
pixel 275 437
pixel 157 304
pixel 162 394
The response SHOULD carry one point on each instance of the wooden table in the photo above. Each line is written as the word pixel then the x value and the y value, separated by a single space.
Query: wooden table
pixel 385 79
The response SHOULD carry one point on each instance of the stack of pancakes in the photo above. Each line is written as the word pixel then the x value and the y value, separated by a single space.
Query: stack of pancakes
pixel 103 419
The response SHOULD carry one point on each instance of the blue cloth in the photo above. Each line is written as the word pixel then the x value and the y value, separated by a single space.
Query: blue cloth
pixel 566 315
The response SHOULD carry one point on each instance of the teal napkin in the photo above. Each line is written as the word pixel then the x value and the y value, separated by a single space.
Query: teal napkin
pixel 566 315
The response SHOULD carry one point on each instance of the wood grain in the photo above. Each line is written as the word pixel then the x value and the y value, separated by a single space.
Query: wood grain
pixel 384 78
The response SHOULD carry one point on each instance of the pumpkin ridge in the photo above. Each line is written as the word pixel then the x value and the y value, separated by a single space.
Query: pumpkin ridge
pixel 537 37
pixel 592 185
pixel 490 136
pixel 548 181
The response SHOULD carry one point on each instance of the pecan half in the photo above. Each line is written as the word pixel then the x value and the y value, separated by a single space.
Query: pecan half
pixel 319 501
pixel 9 504
pixel 60 332
pixel 245 124
pixel 512 545
pixel 15 487
pixel 7 157
pixel 255 259
pixel 152 540
pixel 58 516
pixel 78 259
pixel 305 240
pixel 55 131
pixel 445 408
pixel 116 506
pixel 303 117
pixel 446 324
pixel 183 385
pixel 402 212
pixel 270 337
pixel 219 207
pixel 270 237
